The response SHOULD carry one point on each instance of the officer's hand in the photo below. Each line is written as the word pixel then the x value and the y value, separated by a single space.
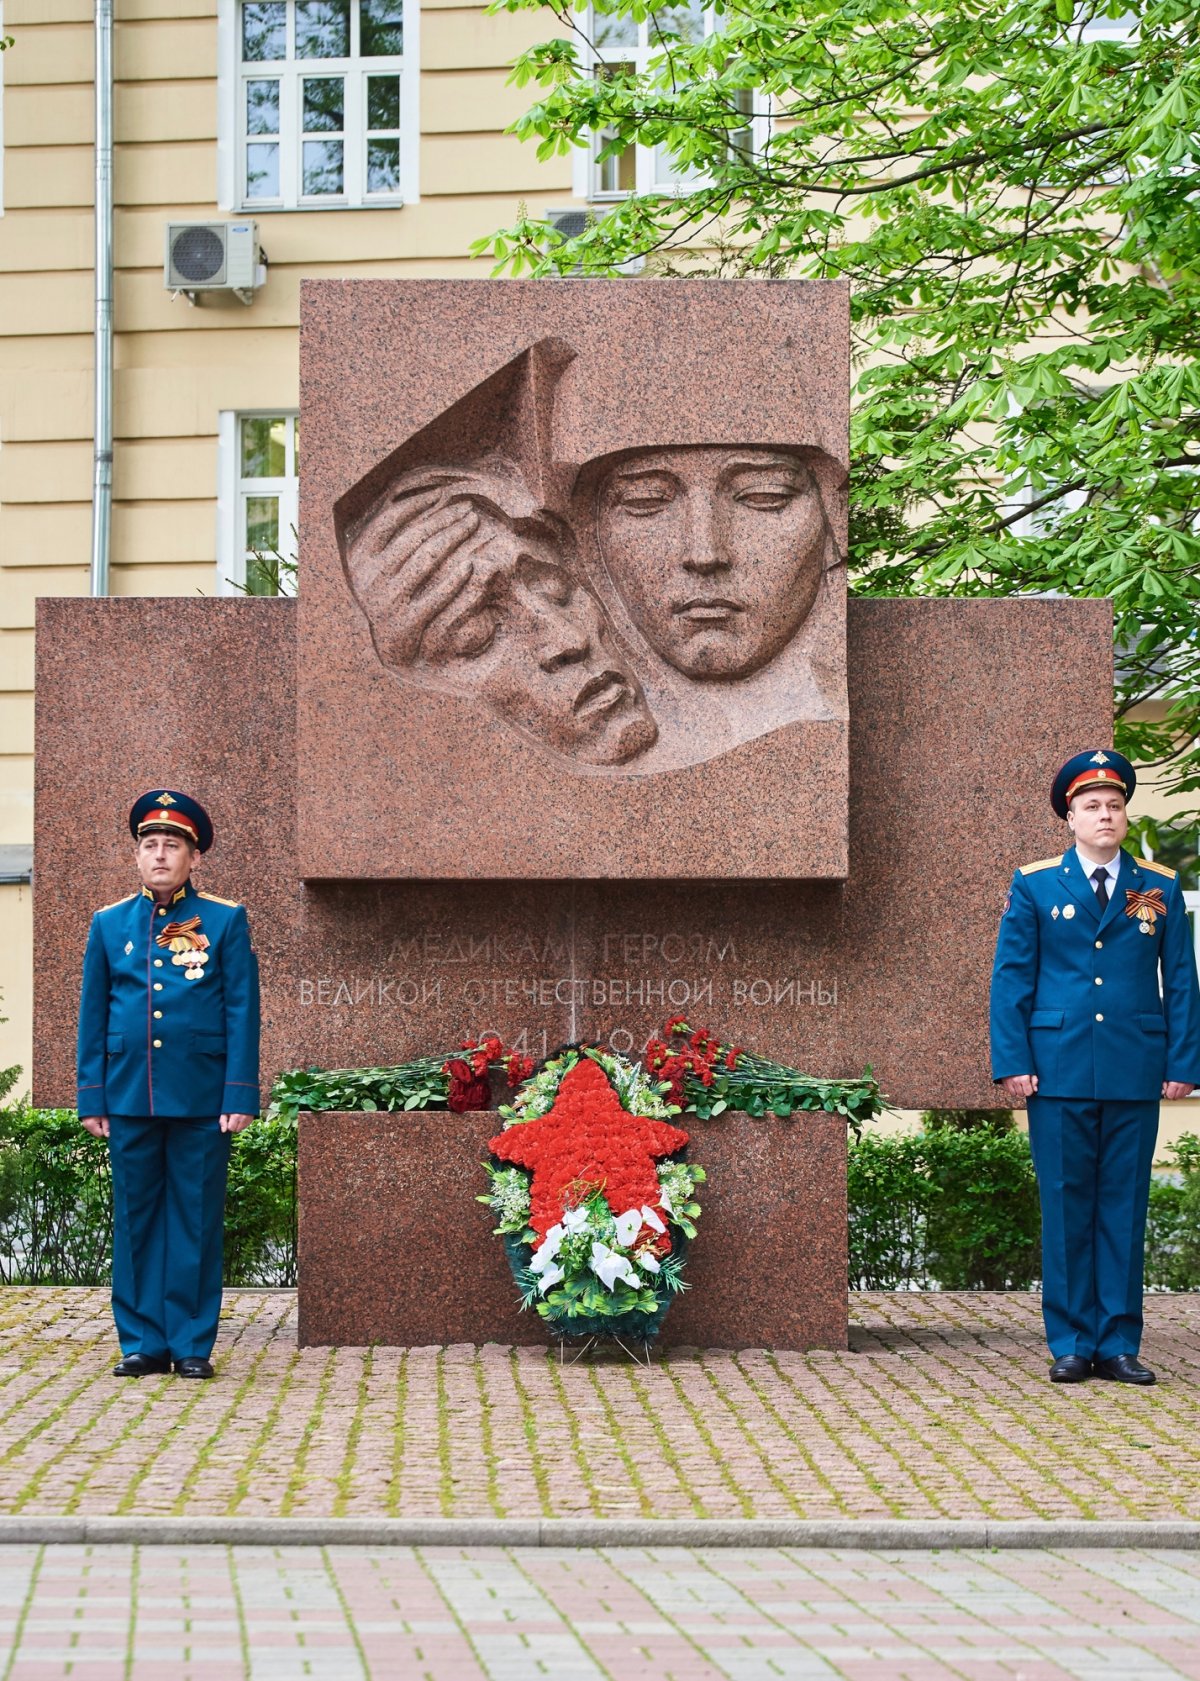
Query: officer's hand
pixel 235 1123
pixel 1175 1089
pixel 97 1125
pixel 1020 1085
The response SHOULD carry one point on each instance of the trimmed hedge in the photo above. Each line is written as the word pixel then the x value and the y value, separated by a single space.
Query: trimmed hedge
pixel 953 1206
pixel 56 1202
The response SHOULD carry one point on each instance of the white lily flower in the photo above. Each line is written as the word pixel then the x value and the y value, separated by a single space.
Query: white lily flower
pixel 651 1218
pixel 629 1225
pixel 552 1275
pixel 547 1249
pixel 664 1201
pixel 648 1259
pixel 608 1266
pixel 576 1220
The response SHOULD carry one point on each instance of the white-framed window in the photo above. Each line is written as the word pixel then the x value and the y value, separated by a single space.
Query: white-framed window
pixel 258 502
pixel 621 42
pixel 318 108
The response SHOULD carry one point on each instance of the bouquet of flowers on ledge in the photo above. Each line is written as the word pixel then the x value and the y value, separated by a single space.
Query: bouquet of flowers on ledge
pixel 700 1073
pixel 594 1201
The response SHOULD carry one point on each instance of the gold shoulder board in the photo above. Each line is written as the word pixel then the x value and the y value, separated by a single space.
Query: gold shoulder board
pixel 117 902
pixel 1159 869
pixel 1041 864
pixel 234 904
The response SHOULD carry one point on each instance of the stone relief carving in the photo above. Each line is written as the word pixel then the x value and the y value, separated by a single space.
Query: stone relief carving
pixel 633 613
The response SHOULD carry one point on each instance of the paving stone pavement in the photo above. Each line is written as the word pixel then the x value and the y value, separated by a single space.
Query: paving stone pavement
pixel 666 1614
pixel 940 1409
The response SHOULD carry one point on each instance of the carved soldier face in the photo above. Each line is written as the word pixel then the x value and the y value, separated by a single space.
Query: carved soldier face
pixel 717 552
pixel 459 591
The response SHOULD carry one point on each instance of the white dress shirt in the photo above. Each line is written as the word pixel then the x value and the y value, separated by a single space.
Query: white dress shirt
pixel 1090 865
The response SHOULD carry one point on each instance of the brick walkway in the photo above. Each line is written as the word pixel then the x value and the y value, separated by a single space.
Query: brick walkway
pixel 940 1409
pixel 449 1614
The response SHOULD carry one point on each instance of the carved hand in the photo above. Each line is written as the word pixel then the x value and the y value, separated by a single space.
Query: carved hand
pixel 408 567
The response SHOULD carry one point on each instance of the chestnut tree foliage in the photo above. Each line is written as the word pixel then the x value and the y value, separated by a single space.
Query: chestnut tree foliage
pixel 1012 189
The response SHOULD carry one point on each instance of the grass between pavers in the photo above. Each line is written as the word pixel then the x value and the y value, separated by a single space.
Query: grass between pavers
pixel 940 1409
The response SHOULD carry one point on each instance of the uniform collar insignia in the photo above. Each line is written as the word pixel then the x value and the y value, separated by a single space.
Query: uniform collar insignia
pixel 180 894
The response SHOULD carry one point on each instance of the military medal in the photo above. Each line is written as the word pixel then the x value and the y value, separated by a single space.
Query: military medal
pixel 187 945
pixel 1147 907
pixel 1055 913
pixel 1068 911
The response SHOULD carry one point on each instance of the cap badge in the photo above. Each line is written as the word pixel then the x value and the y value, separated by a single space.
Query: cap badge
pixel 1099 758
pixel 165 799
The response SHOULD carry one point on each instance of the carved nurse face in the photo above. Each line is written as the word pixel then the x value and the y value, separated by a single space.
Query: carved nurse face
pixel 458 591
pixel 716 552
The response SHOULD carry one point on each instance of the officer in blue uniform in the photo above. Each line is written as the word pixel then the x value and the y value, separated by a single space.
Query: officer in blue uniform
pixel 168 1070
pixel 1095 1017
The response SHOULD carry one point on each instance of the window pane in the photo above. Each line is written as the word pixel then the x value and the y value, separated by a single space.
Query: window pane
pixel 264 30
pixel 615 32
pixel 381 23
pixel 383 166
pixel 668 173
pixel 262 170
pixel 322 166
pixel 383 102
pixel 262 522
pixel 322 28
pixel 741 140
pixel 324 107
pixel 617 173
pixel 264 447
pixel 262 107
pixel 684 20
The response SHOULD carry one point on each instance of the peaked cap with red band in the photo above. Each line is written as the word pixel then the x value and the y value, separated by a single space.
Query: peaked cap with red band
pixel 1102 767
pixel 167 808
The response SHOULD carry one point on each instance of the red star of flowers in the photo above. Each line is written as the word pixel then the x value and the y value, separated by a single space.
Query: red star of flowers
pixel 587 1137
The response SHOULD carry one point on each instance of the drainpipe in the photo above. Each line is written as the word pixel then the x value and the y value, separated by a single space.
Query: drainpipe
pixel 102 454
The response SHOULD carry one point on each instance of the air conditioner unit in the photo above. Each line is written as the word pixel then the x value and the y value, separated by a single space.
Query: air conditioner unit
pixel 214 257
pixel 571 223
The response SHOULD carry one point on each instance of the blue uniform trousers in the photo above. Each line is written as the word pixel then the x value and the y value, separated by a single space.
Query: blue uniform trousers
pixel 1093 1162
pixel 168 1177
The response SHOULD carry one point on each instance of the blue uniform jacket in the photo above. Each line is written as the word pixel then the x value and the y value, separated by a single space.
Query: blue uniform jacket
pixel 153 1041
pixel 1076 995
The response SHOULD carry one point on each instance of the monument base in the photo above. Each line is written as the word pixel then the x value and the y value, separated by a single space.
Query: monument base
pixel 394 1249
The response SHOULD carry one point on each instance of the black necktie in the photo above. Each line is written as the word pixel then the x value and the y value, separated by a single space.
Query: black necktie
pixel 1100 877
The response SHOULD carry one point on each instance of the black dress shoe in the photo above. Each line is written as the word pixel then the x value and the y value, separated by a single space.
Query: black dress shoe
pixel 1125 1368
pixel 141 1365
pixel 193 1366
pixel 1070 1368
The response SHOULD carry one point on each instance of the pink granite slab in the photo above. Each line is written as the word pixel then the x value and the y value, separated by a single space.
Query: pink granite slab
pixel 961 713
pixel 569 554
pixel 394 1249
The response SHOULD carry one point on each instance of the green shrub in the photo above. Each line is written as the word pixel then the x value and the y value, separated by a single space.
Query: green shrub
pixel 1173 1226
pixel 260 1206
pixel 56 1202
pixel 949 1208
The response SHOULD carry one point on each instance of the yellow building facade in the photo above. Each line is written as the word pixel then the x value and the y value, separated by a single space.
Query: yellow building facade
pixel 363 137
